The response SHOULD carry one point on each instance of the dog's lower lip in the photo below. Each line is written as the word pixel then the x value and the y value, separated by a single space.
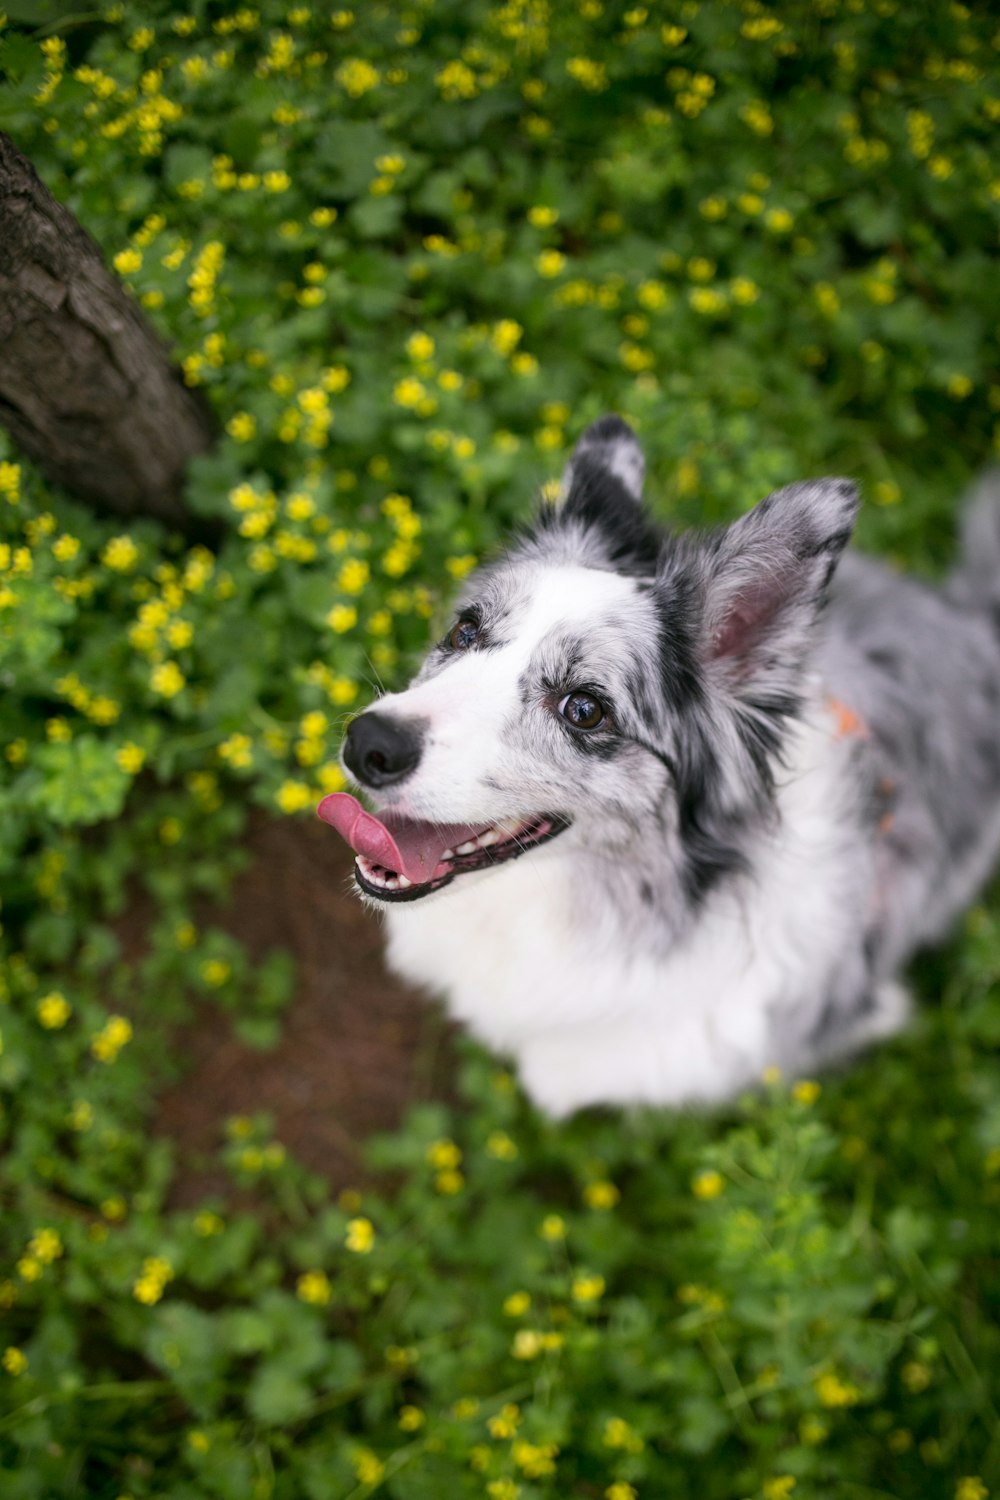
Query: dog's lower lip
pixel 493 846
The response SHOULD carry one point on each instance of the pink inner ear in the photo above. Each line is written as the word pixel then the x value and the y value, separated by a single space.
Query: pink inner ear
pixel 748 614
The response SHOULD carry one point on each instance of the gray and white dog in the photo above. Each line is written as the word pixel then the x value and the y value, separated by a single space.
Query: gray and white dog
pixel 661 810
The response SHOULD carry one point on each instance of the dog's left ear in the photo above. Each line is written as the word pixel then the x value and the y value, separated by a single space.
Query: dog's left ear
pixel 767 576
pixel 601 495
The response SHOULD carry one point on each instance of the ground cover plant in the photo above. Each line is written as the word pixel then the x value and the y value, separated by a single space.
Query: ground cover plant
pixel 408 252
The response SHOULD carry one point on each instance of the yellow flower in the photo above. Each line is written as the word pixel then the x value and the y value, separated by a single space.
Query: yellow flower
pixel 353 576
pixel 10 481
pixel 277 182
pixel 54 1011
pixel 778 1488
pixel 593 76
pixel 46 1245
pixel 356 77
pixel 505 1423
pixel 588 1288
pixel 601 1194
pixel 411 1418
pixel 409 392
pixel 535 1459
pixel 14 1361
pixel 148 1287
pixel 550 263
pixel 360 1236
pixel 503 1489
pixel 293 796
pixel 121 554
pixel 528 1344
pixel 167 679
pixel 113 1036
pixel 215 972
pixel 500 1146
pixel 708 1185
pixel 207 1223
pixel 420 346
pixel 971 1488
pixel 242 426
pixel 444 1154
pixel 456 80
pixel 834 1392
pixel 506 336
pixel 552 1227
pixel 314 1287
pixel 618 1434
pixel 127 262
pixel 368 1466
pixel 620 1490
pixel 806 1091
pixel 743 290
pixel 542 216
pixel 517 1304
pixel 449 1182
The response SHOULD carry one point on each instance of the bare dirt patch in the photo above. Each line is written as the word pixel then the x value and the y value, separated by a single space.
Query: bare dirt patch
pixel 357 1046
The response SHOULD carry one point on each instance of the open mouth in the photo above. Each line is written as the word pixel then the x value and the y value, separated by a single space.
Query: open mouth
pixel 402 859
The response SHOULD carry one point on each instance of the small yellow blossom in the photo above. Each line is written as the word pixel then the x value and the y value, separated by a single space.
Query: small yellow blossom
pixel 588 1288
pixel 806 1091
pixel 293 796
pixel 167 679
pixel 113 1036
pixel 601 1194
pixel 148 1287
pixel 314 1287
pixel 517 1304
pixel 500 1146
pixel 360 1236
pixel 420 346
pixel 242 426
pixel 120 554
pixel 553 1227
pixel 54 1011
pixel 778 1488
pixel 621 1490
pixel 550 263
pixel 971 1487
pixel 411 1419
pixel 708 1185
pixel 14 1361
pixel 834 1392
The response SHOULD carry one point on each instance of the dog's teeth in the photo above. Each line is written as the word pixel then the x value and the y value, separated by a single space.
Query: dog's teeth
pixel 404 882
pixel 469 847
pixel 489 837
pixel 447 854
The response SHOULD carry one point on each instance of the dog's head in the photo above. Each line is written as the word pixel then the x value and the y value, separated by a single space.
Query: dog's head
pixel 606 681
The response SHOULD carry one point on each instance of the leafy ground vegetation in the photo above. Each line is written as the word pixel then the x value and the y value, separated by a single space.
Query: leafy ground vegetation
pixel 408 251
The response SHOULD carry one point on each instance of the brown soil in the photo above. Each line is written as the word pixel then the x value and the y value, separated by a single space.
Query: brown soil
pixel 357 1047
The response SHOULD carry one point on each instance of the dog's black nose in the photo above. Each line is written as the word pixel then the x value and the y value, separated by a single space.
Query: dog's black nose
pixel 379 750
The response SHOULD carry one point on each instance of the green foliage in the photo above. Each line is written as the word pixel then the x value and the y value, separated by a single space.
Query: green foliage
pixel 408 253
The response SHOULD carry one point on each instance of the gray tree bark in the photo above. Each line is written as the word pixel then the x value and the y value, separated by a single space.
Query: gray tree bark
pixel 87 389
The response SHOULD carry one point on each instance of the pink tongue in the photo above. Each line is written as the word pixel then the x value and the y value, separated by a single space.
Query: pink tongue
pixel 410 848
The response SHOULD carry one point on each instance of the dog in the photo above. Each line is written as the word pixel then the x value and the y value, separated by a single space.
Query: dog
pixel 664 809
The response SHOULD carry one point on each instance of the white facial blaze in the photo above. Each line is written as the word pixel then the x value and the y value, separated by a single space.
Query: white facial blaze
pixel 469 703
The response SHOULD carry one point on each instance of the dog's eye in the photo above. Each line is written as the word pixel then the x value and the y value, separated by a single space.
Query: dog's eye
pixel 582 710
pixel 464 635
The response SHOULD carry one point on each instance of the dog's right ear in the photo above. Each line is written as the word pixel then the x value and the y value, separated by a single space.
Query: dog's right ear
pixel 600 496
pixel 608 451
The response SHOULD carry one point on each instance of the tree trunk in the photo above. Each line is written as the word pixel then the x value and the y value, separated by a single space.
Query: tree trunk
pixel 86 385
